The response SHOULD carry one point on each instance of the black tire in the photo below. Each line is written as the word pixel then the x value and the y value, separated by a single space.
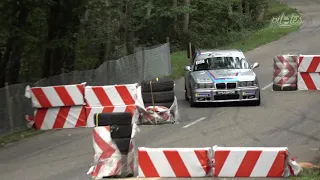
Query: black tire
pixel 165 104
pixel 192 103
pixel 159 97
pixel 186 94
pixel 257 102
pixel 129 175
pixel 121 131
pixel 115 118
pixel 123 145
pixel 164 84
pixel 283 88
pixel 118 176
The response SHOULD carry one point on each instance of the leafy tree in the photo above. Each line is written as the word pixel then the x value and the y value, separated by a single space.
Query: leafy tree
pixel 41 38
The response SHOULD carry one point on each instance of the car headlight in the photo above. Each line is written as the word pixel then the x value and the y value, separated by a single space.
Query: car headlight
pixel 248 83
pixel 203 85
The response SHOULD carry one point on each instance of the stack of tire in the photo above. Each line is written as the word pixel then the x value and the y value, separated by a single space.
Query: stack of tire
pixel 285 70
pixel 120 128
pixel 158 92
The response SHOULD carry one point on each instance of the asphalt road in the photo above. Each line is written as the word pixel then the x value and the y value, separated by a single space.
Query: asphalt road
pixel 288 119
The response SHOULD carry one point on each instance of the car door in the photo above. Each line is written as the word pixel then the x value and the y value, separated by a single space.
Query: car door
pixel 188 73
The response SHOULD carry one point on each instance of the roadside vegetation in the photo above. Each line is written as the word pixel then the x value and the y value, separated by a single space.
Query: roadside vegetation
pixel 252 34
pixel 308 174
pixel 39 39
pixel 18 136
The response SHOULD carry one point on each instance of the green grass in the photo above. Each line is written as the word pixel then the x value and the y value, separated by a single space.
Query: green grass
pixel 277 8
pixel 308 174
pixel 178 62
pixel 263 36
pixel 18 136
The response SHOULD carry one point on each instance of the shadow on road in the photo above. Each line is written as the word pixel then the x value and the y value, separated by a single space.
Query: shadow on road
pixel 184 103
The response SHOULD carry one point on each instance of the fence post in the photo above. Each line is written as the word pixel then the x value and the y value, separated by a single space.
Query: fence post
pixel 169 59
pixel 9 106
pixel 167 39
pixel 143 62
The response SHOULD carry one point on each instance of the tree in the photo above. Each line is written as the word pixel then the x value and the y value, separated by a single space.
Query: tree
pixel 10 62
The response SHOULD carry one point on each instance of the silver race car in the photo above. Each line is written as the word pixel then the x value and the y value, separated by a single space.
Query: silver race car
pixel 221 76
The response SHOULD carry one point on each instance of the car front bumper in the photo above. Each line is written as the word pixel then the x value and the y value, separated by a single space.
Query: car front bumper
pixel 225 95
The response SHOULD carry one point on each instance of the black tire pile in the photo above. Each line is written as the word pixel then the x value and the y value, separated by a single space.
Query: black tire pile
pixel 120 128
pixel 161 90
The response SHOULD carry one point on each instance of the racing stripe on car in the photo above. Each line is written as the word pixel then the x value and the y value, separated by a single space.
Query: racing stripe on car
pixel 211 76
pixel 221 80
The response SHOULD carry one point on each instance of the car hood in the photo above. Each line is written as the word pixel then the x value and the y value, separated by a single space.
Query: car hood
pixel 223 75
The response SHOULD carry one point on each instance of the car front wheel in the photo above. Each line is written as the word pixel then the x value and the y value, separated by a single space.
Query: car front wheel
pixel 191 101
pixel 186 93
pixel 257 102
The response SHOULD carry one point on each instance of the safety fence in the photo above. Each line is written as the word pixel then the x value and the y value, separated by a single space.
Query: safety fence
pixel 296 72
pixel 144 64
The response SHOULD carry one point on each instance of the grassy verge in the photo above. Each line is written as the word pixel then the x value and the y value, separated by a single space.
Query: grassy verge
pixel 308 174
pixel 263 36
pixel 18 136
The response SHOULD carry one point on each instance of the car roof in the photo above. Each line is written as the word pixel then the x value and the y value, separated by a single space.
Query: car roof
pixel 217 52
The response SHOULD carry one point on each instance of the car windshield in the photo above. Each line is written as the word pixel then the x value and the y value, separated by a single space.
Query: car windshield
pixel 213 63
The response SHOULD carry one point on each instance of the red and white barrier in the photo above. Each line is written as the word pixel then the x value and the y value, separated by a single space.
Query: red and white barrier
pixel 130 157
pixel 285 69
pixel 249 162
pixel 91 111
pixel 158 114
pixel 309 72
pixel 116 95
pixel 108 160
pixel 174 162
pixel 60 117
pixel 309 63
pixel 56 96
pixel 308 81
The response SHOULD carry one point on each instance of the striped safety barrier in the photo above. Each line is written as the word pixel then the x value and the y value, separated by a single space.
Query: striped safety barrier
pixel 309 72
pixel 108 160
pixel 285 70
pixel 73 106
pixel 174 162
pixel 262 162
pixel 60 117
pixel 249 161
pixel 57 96
pixel 115 95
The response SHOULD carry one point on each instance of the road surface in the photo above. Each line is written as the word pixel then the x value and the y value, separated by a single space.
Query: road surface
pixel 288 119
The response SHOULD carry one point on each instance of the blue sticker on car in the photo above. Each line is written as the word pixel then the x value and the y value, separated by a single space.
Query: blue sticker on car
pixel 203 94
pixel 249 93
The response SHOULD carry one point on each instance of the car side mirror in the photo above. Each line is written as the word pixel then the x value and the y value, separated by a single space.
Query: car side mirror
pixel 255 65
pixel 187 68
